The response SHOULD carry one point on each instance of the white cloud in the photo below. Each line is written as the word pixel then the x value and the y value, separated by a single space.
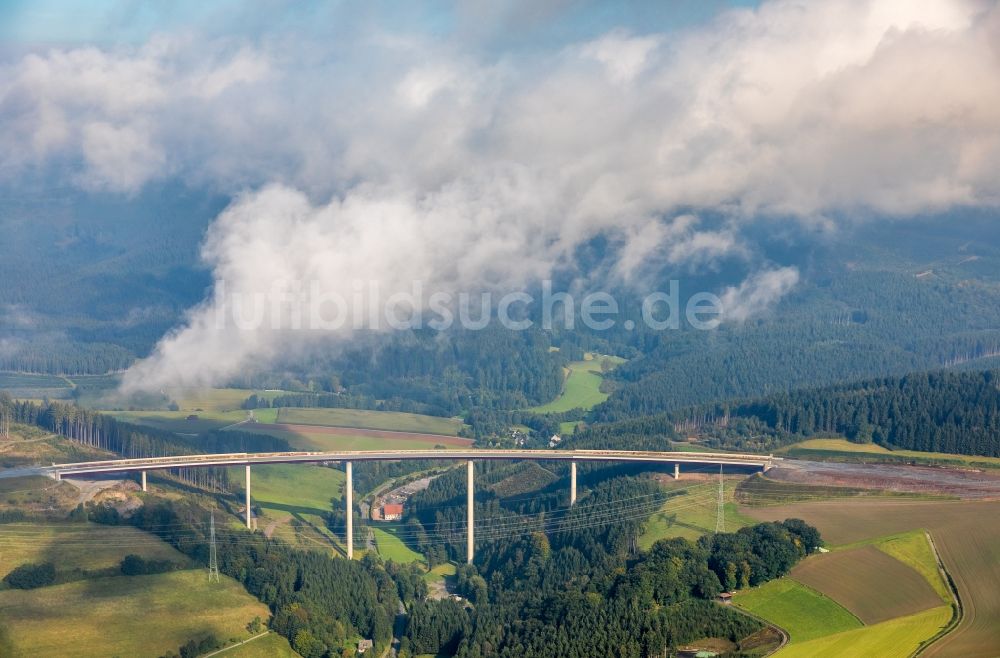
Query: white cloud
pixel 622 55
pixel 402 157
pixel 119 158
pixel 756 293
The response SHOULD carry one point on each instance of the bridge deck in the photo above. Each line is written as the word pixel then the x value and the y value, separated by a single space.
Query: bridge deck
pixel 241 459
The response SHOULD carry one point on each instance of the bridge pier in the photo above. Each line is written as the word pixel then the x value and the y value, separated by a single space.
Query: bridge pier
pixel 248 496
pixel 572 484
pixel 144 488
pixel 470 520
pixel 677 471
pixel 349 497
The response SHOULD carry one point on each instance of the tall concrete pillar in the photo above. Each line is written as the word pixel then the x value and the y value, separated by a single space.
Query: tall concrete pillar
pixel 470 520
pixel 349 497
pixel 248 495
pixel 572 483
pixel 677 471
pixel 144 481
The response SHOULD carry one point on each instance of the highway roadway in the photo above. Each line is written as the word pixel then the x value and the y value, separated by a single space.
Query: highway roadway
pixel 763 462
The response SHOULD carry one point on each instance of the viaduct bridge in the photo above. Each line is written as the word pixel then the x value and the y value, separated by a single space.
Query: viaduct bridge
pixel 143 465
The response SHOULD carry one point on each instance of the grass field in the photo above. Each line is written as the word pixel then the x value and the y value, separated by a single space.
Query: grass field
pixel 914 550
pixel 77 547
pixel 842 448
pixel 390 546
pixel 292 500
pixel 803 612
pixel 969 547
pixel 211 399
pixel 440 572
pixel 13 380
pixel 567 428
pixel 303 438
pixel 760 490
pixel 271 645
pixel 124 615
pixel 177 421
pixel 581 388
pixel 897 638
pixel 692 514
pixel 871 584
pixel 365 419
pixel 292 488
pixel 36 494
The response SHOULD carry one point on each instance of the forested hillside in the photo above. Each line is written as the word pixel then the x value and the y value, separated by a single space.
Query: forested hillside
pixel 90 282
pixel 861 324
pixel 939 411
pixel 555 585
pixel 957 412
pixel 877 301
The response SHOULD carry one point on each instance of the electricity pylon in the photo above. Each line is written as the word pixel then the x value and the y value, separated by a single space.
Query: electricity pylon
pixel 720 516
pixel 213 558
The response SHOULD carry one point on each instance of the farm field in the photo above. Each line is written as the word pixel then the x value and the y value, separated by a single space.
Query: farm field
pixel 13 380
pixel 100 615
pixel 693 513
pixel 271 645
pixel 307 437
pixel 391 546
pixel 760 490
pixel 77 547
pixel 969 548
pixel 914 549
pixel 803 612
pixel 897 638
pixel 177 421
pixel 213 399
pixel 869 583
pixel 366 419
pixel 842 448
pixel 581 388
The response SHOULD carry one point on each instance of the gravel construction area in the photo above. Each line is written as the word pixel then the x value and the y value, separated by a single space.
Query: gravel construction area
pixel 969 483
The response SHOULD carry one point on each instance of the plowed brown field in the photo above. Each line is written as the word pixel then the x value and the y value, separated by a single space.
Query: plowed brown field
pixel 966 533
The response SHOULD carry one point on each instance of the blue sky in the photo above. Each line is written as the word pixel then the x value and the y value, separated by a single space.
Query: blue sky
pixel 516 24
